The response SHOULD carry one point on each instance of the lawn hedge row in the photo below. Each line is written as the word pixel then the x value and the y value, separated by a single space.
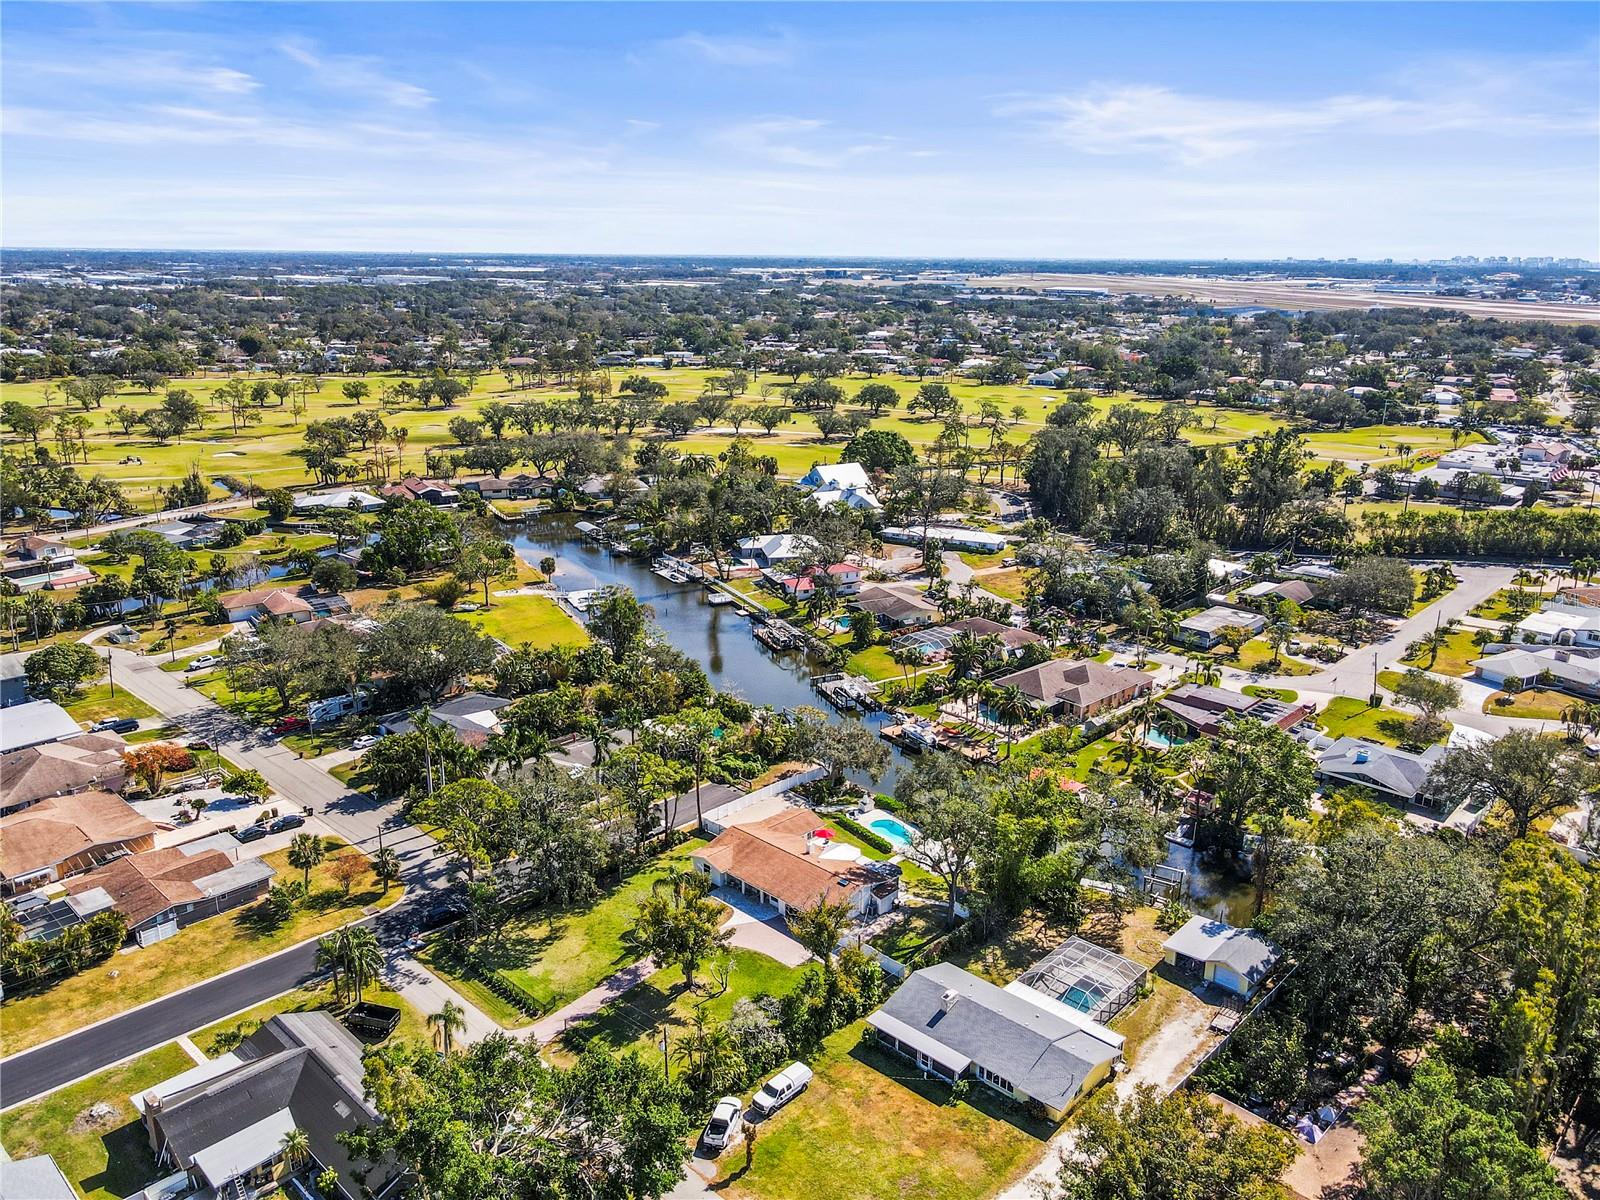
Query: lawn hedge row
pixel 872 838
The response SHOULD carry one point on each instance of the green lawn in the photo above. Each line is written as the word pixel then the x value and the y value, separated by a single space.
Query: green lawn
pixel 1256 655
pixel 103 1158
pixel 1455 656
pixel 1347 716
pixel 636 1017
pixel 207 948
pixel 1010 583
pixel 552 956
pixel 871 1127
pixel 1543 704
pixel 1270 693
pixel 222 1036
pixel 916 926
pixel 765 597
pixel 537 620
pixel 98 704
pixel 874 663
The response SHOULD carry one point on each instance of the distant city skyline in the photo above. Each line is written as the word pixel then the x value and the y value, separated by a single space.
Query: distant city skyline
pixel 1251 132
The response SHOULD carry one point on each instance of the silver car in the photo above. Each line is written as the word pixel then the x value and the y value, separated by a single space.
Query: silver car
pixel 724 1123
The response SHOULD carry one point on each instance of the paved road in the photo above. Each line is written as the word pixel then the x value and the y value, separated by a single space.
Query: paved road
pixel 350 815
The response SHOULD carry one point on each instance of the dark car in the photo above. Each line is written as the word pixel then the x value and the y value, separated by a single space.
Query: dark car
pixel 115 725
pixel 250 833
pixel 440 910
pixel 291 821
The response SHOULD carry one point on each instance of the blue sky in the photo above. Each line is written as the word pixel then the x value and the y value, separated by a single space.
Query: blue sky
pixel 1038 130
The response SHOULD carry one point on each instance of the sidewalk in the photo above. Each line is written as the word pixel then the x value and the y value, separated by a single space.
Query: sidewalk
pixel 427 993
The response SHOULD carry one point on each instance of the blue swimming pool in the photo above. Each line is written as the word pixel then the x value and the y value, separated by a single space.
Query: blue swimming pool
pixel 897 834
pixel 1161 741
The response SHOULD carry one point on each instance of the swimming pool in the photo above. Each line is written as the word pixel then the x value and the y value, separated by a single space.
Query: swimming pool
pixel 1161 741
pixel 887 827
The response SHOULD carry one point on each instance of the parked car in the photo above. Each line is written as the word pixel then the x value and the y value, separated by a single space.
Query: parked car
pixel 781 1088
pixel 364 741
pixel 440 910
pixel 250 833
pixel 204 661
pixel 115 725
pixel 723 1124
pixel 290 725
pixel 291 821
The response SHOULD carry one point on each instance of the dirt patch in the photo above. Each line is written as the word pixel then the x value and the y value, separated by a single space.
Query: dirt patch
pixel 95 1119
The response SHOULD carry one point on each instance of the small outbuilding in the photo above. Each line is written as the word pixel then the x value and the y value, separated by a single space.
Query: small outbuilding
pixel 1234 959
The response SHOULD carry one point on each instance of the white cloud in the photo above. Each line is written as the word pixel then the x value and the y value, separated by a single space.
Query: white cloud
pixel 774 50
pixel 795 142
pixel 138 69
pixel 353 73
pixel 1191 128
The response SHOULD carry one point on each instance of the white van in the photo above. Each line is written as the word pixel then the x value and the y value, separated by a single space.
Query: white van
pixel 781 1088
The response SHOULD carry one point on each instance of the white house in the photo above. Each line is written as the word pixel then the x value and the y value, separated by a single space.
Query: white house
pixel 1561 625
pixel 343 498
pixel 841 483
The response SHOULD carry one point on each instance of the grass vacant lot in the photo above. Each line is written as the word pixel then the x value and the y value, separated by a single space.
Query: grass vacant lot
pixel 1347 716
pixel 1256 655
pixel 538 620
pixel 1543 704
pixel 204 949
pixel 1270 693
pixel 552 955
pixel 1455 656
pixel 1010 583
pixel 830 1141
pixel 98 704
pixel 222 1036
pixel 103 1158
pixel 634 1019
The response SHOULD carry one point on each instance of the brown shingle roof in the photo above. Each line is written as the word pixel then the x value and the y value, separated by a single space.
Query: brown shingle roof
pixel 1010 636
pixel 65 766
pixel 143 885
pixel 1081 683
pixel 56 829
pixel 771 855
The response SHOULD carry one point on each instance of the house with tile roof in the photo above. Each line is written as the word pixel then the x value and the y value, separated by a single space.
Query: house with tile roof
pixel 1078 688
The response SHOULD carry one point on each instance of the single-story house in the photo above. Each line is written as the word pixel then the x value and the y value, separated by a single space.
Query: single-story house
pixel 289 604
pixel 473 715
pixel 1236 960
pixel 1297 590
pixel 933 645
pixel 1397 773
pixel 1205 629
pixel 896 607
pixel 430 491
pixel 841 483
pixel 1078 689
pixel 223 1122
pixel 1014 1040
pixel 35 723
pixel 1561 625
pixel 783 860
pixel 74 764
pixel 161 891
pixel 63 835
pixel 772 549
pixel 953 537
pixel 32 563
pixel 186 535
pixel 1204 709
pixel 1563 669
pixel 845 580
pixel 1582 596
pixel 350 498
pixel 521 486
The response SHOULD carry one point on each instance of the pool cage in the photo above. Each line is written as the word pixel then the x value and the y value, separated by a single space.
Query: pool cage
pixel 1097 982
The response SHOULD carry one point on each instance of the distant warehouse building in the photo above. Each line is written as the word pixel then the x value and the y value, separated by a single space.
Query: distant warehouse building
pixel 953 537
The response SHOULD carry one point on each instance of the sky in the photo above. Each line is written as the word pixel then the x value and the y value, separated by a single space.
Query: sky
pixel 1036 131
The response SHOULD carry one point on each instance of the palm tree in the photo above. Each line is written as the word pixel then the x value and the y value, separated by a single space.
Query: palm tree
pixel 295 1148
pixel 966 652
pixel 331 956
pixel 709 1054
pixel 1586 566
pixel 386 866
pixel 1012 707
pixel 363 958
pixel 305 852
pixel 446 1023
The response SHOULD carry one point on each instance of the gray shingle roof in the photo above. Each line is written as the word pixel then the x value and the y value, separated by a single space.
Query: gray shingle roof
pixel 1244 950
pixel 1045 1056
pixel 1398 772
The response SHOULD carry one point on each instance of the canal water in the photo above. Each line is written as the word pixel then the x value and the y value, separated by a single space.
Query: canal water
pixel 717 637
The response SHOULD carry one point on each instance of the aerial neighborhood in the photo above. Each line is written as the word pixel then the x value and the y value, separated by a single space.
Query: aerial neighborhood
pixel 546 723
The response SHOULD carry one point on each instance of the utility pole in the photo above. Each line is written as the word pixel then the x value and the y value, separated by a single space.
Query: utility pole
pixel 111 673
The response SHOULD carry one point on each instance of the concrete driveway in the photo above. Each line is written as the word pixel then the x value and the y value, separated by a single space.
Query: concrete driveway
pixel 758 927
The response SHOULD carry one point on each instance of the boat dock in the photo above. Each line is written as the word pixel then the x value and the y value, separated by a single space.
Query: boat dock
pixel 847 692
pixel 778 635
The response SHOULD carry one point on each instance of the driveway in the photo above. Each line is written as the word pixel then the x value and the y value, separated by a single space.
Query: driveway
pixel 758 927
